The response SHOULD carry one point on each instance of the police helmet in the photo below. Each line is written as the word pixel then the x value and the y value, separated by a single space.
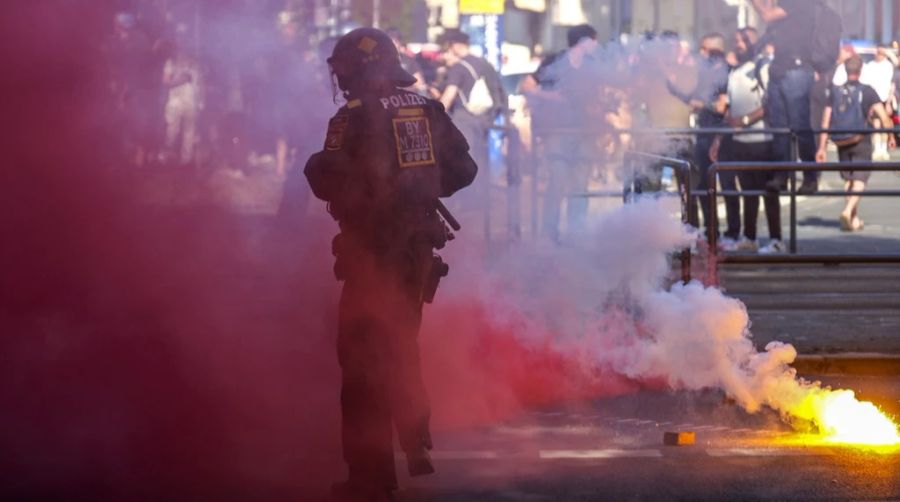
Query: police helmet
pixel 368 54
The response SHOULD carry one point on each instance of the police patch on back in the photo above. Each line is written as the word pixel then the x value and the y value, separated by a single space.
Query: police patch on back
pixel 412 131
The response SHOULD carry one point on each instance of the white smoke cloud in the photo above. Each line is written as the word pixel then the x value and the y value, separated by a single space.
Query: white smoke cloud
pixel 609 302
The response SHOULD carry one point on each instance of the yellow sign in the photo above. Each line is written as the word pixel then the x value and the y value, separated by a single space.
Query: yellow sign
pixel 481 6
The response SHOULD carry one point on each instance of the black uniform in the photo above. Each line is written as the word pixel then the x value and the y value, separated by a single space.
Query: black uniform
pixel 386 160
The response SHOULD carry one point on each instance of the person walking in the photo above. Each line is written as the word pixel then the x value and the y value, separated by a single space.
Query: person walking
pixel 389 154
pixel 853 106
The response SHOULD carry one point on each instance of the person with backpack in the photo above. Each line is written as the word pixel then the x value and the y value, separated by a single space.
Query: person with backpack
pixel 472 94
pixel 853 105
pixel 747 85
pixel 806 35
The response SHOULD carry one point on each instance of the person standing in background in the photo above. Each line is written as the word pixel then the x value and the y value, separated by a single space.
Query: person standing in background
pixel 560 101
pixel 708 101
pixel 747 85
pixel 181 78
pixel 792 31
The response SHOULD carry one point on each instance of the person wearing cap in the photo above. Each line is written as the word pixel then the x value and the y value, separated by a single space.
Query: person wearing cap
pixel 389 154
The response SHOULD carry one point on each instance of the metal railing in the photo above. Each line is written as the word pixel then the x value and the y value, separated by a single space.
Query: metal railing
pixel 689 196
pixel 712 222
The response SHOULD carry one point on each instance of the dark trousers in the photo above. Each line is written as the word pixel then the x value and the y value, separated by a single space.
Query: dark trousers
pixel 379 318
pixel 788 106
pixel 753 180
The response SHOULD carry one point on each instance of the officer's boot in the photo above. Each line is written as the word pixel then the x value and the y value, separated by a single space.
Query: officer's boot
pixel 418 461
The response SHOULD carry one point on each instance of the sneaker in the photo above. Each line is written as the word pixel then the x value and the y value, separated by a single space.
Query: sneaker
pixel 728 244
pixel 745 244
pixel 773 247
pixel 808 187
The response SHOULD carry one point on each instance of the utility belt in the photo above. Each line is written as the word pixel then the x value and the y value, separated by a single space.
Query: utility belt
pixel 404 246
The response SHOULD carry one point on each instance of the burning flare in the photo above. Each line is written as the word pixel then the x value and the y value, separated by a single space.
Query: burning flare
pixel 842 418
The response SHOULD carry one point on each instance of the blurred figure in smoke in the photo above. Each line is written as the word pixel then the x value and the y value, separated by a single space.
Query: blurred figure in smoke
pixel 565 81
pixel 708 100
pixel 133 85
pixel 660 60
pixel 181 78
pixel 388 155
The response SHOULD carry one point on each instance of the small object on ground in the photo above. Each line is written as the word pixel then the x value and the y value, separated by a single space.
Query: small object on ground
pixel 679 438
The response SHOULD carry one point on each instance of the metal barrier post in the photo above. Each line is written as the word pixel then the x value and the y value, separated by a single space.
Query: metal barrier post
pixel 712 227
pixel 793 238
pixel 795 156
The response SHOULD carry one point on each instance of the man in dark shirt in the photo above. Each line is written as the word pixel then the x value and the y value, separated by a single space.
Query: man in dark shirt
pixel 568 85
pixel 791 32
pixel 853 147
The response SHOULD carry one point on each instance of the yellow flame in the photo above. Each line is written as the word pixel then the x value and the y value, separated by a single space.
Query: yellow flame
pixel 841 418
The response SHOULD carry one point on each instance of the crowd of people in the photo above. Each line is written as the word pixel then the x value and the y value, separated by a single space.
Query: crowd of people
pixel 250 88
pixel 250 93
pixel 792 76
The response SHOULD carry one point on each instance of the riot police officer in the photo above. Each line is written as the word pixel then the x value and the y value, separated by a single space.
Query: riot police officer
pixel 389 155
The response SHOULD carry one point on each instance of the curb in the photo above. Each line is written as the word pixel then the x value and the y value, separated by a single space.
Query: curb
pixel 849 363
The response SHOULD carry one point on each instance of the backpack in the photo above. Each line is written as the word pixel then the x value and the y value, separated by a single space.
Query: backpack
pixel 826 38
pixel 847 113
pixel 480 99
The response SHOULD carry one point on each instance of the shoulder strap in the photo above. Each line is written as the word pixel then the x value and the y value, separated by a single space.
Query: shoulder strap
pixel 469 67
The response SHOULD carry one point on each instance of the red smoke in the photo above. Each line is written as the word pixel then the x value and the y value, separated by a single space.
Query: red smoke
pixel 479 371
pixel 156 349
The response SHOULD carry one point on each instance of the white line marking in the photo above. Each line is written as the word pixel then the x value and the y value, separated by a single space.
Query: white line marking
pixel 609 453
pixel 463 455
pixel 768 452
pixel 644 422
pixel 627 420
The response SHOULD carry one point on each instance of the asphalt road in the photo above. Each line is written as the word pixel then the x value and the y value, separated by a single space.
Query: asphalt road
pixel 612 449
